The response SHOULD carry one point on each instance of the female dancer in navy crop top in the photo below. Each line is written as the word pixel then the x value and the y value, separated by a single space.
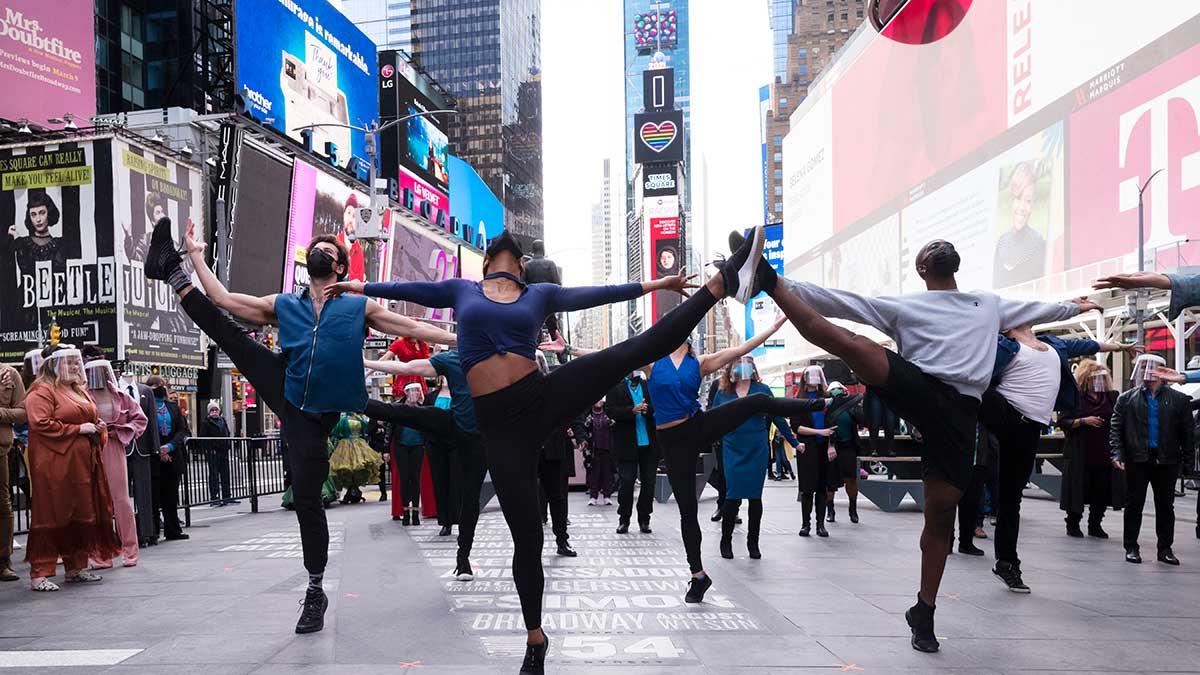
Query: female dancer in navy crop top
pixel 684 431
pixel 516 406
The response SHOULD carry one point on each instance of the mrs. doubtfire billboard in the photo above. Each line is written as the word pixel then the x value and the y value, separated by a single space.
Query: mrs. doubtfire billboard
pixel 47 58
pixel 302 62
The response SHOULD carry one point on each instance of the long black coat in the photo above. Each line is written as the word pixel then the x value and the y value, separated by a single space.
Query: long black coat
pixel 1072 499
pixel 618 405
pixel 814 472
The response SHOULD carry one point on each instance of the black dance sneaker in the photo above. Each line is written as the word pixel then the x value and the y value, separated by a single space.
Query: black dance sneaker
pixel 163 257
pixel 920 620
pixel 312 614
pixel 840 405
pixel 565 550
pixel 1010 574
pixel 535 656
pixel 623 527
pixel 463 571
pixel 740 270
pixel 697 587
pixel 1167 556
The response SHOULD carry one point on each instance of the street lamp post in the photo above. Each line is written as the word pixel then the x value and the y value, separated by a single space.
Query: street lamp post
pixel 372 132
pixel 1141 293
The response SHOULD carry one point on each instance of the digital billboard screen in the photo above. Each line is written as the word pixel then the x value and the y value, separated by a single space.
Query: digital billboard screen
pixel 302 62
pixel 48 57
pixel 656 30
pixel 658 137
pixel 424 147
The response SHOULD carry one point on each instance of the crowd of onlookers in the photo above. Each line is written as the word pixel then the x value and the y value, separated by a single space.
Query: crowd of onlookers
pixel 98 459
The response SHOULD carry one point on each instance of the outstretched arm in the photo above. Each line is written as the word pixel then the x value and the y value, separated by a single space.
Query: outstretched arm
pixel 711 363
pixel 428 293
pixel 879 313
pixel 419 367
pixel 1014 313
pixel 570 299
pixel 392 323
pixel 250 308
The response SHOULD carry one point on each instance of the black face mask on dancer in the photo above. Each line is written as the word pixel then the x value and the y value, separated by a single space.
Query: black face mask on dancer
pixel 320 263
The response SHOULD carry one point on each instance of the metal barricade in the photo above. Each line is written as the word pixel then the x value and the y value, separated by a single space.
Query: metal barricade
pixel 223 469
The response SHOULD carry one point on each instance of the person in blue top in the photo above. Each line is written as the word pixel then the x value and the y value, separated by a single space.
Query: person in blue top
pixel 517 407
pixel 317 377
pixel 1031 380
pixel 747 453
pixel 457 423
pixel 684 430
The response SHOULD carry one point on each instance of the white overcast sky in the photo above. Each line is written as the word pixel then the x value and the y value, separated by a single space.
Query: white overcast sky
pixel 583 116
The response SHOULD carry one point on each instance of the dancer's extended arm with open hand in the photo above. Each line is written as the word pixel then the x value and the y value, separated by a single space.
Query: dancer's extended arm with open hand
pixel 250 308
pixel 711 363
pixel 418 367
pixel 574 298
pixel 392 323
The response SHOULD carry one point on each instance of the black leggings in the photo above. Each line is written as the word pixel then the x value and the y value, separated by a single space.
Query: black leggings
pixel 305 434
pixel 517 419
pixel 729 516
pixel 682 445
pixel 409 459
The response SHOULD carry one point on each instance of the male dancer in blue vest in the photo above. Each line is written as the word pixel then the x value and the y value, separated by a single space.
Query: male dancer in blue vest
pixel 317 376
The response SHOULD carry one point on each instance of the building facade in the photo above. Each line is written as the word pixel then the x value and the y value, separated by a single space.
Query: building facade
pixel 487 54
pixel 818 31
pixel 387 22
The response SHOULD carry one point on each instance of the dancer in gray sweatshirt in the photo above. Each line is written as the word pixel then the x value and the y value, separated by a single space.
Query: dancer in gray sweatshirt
pixel 946 339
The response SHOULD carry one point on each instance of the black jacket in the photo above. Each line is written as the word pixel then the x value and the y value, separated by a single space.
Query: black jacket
pixel 148 443
pixel 618 405
pixel 1127 436
pixel 179 429
pixel 213 427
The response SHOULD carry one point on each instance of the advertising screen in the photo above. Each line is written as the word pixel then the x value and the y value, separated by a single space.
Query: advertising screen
pixel 149 187
pixel 323 204
pixel 57 261
pixel 48 56
pixel 658 137
pixel 656 30
pixel 424 148
pixel 659 180
pixel 259 222
pixel 302 62
pixel 760 311
pixel 1021 138
pixel 416 256
pixel 477 211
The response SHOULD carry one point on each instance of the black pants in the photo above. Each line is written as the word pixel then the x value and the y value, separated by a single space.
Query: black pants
pixel 717 477
pixel 879 416
pixel 516 421
pixel 472 456
pixel 1018 438
pixel 1097 494
pixel 166 492
pixel 409 459
pixel 645 469
pixel 443 471
pixel 968 506
pixel 306 435
pixel 552 491
pixel 683 443
pixel 143 497
pixel 218 473
pixel 729 514
pixel 1138 477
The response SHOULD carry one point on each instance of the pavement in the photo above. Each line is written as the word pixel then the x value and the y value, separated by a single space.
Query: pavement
pixel 225 602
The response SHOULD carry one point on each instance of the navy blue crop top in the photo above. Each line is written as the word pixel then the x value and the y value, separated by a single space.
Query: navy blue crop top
pixel 487 327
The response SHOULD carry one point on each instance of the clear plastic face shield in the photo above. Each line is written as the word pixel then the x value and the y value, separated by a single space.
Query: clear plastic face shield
pixel 743 369
pixel 34 359
pixel 67 365
pixel 1144 367
pixel 99 374
pixel 1099 382
pixel 836 389
pixel 412 394
pixel 814 377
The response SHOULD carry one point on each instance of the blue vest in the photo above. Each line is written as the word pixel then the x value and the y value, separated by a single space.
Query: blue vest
pixel 324 363
pixel 675 391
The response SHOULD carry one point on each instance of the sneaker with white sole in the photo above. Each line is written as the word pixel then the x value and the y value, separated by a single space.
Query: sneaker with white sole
pixel 1010 574
pixel 592 501
pixel 740 270
pixel 463 571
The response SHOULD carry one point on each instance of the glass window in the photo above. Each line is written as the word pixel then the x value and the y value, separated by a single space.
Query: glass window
pixel 778 207
pixel 777 141
pixel 803 68
pixel 779 157
pixel 778 173
pixel 778 190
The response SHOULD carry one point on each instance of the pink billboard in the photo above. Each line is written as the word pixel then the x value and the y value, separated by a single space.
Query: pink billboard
pixel 1116 142
pixel 48 56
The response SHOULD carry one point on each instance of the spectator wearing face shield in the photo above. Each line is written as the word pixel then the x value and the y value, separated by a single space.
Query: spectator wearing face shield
pixel 846 444
pixel 814 477
pixel 408 453
pixel 1088 476
pixel 125 421
pixel 72 514
pixel 1151 431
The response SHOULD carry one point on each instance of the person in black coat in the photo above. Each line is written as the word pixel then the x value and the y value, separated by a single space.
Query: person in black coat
pixel 816 469
pixel 555 466
pixel 214 426
pixel 1088 475
pixel 173 434
pixel 141 461
pixel 634 448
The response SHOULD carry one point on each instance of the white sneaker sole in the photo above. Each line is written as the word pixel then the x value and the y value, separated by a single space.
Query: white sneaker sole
pixel 464 577
pixel 749 269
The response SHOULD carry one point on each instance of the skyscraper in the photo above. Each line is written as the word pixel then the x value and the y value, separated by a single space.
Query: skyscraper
pixel 637 59
pixel 600 318
pixel 782 13
pixel 487 54
pixel 387 22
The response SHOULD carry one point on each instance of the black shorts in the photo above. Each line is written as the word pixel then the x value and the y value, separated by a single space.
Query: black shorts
pixel 945 418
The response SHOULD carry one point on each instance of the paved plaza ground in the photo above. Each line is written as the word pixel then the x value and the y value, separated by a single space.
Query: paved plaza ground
pixel 226 601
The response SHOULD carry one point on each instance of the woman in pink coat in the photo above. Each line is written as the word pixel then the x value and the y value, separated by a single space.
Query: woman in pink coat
pixel 125 421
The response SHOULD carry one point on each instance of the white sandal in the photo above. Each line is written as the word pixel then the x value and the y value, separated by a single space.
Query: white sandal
pixel 44 585
pixel 83 577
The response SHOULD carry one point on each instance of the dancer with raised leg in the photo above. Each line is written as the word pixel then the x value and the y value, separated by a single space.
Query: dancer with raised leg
pixel 516 406
pixel 316 378
pixel 946 339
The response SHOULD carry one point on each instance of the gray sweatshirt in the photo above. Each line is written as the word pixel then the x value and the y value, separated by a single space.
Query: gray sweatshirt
pixel 950 335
